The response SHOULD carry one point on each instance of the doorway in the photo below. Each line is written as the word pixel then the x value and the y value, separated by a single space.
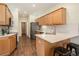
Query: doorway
pixel 23 28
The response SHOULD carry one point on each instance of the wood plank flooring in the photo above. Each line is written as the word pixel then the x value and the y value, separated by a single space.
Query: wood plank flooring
pixel 26 47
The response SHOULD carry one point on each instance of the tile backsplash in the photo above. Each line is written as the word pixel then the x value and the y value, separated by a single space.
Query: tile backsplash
pixel 47 29
pixel 68 28
pixel 5 28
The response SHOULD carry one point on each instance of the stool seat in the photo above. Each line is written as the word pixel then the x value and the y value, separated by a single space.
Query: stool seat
pixel 73 46
pixel 62 51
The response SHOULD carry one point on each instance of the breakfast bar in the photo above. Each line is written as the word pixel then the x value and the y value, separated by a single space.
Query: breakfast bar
pixel 45 43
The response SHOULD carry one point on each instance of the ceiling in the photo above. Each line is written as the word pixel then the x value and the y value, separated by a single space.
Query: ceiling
pixel 29 8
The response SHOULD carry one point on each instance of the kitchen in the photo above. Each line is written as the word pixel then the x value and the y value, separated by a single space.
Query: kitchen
pixel 59 25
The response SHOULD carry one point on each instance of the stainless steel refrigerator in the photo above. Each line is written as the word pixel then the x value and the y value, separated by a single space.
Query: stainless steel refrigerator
pixel 33 27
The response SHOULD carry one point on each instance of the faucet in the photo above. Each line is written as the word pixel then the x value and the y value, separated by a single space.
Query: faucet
pixel 54 30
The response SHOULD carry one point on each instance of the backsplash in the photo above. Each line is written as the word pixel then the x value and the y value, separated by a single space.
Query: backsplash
pixel 68 28
pixel 47 29
pixel 4 30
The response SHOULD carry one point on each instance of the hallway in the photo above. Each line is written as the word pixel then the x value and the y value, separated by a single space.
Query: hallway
pixel 26 47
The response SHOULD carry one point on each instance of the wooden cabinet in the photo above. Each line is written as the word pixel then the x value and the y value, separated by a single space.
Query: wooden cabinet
pixel 57 17
pixel 40 47
pixel 2 14
pixel 5 15
pixel 42 20
pixel 45 48
pixel 4 46
pixel 12 42
pixel 7 44
pixel 8 16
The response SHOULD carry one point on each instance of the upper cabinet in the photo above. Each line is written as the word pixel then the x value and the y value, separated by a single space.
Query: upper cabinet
pixel 5 15
pixel 57 17
pixel 42 20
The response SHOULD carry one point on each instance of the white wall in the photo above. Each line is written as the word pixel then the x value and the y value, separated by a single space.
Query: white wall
pixel 29 20
pixel 72 19
pixel 15 22
pixel 28 26
pixel 14 27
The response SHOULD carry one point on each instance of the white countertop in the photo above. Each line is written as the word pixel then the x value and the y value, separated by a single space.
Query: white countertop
pixel 55 38
pixel 7 35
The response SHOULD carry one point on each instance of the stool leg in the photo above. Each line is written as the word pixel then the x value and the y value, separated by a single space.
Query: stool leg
pixel 76 52
pixel 70 49
pixel 54 53
pixel 60 55
pixel 67 46
pixel 70 54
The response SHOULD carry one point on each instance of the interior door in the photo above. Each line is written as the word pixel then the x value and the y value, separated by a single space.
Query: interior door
pixel 23 27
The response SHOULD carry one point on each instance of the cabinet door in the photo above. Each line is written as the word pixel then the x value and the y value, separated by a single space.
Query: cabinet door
pixel 38 20
pixel 44 20
pixel 40 47
pixel 59 17
pixel 7 16
pixel 2 14
pixel 50 18
pixel 12 43
pixel 4 46
pixel 41 21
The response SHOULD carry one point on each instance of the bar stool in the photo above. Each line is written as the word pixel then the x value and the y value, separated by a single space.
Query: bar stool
pixel 71 46
pixel 62 51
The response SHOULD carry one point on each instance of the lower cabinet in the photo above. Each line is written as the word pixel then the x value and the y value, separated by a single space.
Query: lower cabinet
pixel 44 48
pixel 7 44
pixel 4 46
pixel 12 43
pixel 40 47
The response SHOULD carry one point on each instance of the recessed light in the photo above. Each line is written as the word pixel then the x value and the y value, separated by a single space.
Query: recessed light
pixel 34 5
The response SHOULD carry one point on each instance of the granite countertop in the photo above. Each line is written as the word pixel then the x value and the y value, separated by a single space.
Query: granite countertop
pixel 55 38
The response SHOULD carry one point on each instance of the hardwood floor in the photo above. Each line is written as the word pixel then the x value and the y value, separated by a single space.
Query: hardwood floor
pixel 26 47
